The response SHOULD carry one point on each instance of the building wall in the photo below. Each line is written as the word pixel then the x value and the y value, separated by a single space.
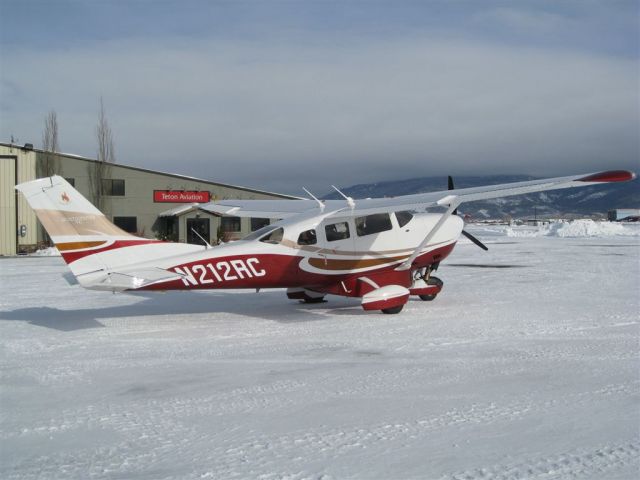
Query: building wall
pixel 622 213
pixel 7 205
pixel 16 164
pixel 137 202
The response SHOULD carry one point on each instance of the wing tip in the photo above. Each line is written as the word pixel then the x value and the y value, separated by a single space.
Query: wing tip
pixel 609 176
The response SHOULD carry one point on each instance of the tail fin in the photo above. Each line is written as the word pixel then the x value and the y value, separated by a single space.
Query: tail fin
pixel 65 214
pixel 77 228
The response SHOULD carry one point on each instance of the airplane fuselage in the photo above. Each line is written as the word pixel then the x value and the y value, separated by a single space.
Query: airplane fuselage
pixel 328 265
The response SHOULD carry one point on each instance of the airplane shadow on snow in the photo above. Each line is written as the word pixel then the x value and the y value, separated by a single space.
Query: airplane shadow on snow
pixel 265 305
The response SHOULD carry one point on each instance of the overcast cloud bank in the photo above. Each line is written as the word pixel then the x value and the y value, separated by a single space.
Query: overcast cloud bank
pixel 317 110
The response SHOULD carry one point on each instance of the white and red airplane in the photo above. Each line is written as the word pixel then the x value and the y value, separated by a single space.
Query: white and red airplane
pixel 381 250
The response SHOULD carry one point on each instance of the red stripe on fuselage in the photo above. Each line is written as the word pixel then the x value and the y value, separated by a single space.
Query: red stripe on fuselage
pixel 283 271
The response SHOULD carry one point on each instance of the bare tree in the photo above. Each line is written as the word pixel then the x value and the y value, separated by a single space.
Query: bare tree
pixel 100 171
pixel 50 144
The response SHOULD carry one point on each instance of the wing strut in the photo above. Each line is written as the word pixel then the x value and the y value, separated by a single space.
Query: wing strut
pixel 452 201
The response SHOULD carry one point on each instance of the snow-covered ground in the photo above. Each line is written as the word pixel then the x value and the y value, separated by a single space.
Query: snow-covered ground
pixel 526 366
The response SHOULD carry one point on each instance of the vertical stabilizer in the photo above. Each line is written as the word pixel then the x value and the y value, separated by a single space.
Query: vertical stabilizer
pixel 65 214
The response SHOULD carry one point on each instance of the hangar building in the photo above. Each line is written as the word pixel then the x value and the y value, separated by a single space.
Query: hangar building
pixel 145 202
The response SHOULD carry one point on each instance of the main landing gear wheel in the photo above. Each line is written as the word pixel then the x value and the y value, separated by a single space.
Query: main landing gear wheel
pixel 432 281
pixel 393 310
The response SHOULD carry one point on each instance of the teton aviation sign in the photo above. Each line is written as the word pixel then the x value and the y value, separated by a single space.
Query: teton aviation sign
pixel 180 196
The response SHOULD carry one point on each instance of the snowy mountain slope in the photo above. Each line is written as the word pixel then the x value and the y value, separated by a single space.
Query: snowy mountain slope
pixel 584 201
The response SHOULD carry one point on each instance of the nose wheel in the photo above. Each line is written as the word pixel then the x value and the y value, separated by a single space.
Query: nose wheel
pixel 436 285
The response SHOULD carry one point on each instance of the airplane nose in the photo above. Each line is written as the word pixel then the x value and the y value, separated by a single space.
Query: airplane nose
pixel 454 226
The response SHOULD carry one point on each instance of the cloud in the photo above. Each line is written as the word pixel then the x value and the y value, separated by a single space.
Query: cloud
pixel 282 114
pixel 529 20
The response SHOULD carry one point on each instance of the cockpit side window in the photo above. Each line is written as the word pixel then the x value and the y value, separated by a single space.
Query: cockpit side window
pixel 403 217
pixel 376 223
pixel 273 237
pixel 308 237
pixel 337 231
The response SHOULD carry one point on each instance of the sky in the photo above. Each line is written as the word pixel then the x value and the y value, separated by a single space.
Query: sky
pixel 278 95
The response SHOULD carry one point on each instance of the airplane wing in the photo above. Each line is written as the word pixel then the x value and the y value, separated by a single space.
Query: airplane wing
pixel 259 208
pixel 417 202
pixel 268 208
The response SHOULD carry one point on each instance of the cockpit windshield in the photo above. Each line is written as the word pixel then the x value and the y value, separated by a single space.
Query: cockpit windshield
pixel 274 236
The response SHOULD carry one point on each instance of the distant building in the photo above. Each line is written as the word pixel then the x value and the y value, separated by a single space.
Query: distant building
pixel 623 214
pixel 145 202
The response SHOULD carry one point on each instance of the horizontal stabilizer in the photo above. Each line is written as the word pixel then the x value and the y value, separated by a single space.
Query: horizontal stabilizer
pixel 119 281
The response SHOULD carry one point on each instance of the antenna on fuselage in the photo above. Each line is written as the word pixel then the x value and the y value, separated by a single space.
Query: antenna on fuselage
pixel 207 246
pixel 320 204
pixel 349 200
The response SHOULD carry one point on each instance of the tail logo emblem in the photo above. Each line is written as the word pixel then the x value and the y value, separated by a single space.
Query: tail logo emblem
pixel 65 198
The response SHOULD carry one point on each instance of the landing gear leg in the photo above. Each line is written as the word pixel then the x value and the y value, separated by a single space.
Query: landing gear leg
pixel 304 295
pixel 311 299
pixel 425 285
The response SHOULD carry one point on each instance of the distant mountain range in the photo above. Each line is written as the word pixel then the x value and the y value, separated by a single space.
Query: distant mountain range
pixel 593 201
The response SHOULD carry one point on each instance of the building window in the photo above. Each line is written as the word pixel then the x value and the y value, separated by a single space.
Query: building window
pixel 230 224
pixel 128 224
pixel 71 181
pixel 258 223
pixel 112 187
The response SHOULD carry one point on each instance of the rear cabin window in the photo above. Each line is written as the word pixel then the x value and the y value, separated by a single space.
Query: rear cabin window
pixel 336 231
pixel 273 237
pixel 376 223
pixel 308 237
pixel 403 218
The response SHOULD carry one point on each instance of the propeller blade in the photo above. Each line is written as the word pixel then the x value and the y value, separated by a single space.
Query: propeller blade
pixel 475 240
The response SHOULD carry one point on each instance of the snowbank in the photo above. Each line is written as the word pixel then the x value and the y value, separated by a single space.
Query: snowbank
pixel 589 228
pixel 576 228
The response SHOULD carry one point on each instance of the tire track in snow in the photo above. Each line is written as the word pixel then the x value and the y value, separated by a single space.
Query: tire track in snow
pixel 578 464
pixel 154 430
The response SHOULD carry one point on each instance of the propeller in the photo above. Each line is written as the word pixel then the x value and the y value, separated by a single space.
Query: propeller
pixel 475 240
pixel 455 212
